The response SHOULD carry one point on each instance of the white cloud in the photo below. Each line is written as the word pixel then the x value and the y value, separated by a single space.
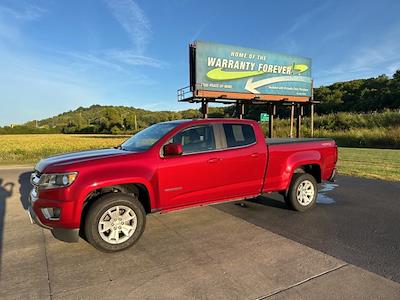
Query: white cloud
pixel 134 21
pixel 87 60
pixel 130 57
pixel 38 81
pixel 380 56
pixel 28 13
pixel 34 89
pixel 286 40
pixel 12 19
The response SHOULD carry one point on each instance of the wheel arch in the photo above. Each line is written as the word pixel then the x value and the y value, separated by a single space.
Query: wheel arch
pixel 310 167
pixel 140 189
pixel 313 169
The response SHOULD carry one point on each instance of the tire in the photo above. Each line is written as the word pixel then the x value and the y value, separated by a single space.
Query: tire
pixel 302 193
pixel 115 222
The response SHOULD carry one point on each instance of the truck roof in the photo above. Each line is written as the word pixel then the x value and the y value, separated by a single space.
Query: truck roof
pixel 210 120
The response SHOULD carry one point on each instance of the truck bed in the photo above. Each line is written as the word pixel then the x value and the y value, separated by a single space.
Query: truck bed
pixel 280 141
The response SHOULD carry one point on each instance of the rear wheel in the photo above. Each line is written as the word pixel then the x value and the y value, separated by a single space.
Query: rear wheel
pixel 115 222
pixel 302 192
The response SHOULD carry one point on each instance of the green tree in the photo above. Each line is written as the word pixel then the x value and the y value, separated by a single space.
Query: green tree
pixel 396 75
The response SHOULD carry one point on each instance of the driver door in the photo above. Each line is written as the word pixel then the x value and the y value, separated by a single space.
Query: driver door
pixel 192 177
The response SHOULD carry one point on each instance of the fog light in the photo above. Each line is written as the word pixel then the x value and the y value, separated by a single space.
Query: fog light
pixel 51 213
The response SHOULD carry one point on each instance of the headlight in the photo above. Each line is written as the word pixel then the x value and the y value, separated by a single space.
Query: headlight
pixel 51 181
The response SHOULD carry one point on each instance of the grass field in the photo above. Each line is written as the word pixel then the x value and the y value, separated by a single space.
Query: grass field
pixel 372 163
pixel 28 149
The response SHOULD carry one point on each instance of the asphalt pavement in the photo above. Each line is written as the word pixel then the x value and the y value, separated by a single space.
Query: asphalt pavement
pixel 197 253
pixel 357 220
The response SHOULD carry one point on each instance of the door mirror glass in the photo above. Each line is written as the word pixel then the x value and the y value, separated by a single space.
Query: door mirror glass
pixel 173 149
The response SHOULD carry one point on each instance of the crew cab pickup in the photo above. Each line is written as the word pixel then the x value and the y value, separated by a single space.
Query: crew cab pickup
pixel 104 195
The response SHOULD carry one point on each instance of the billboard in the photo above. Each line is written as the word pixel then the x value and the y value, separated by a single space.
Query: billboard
pixel 246 73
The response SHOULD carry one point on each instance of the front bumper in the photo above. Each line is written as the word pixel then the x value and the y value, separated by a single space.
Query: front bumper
pixel 64 234
pixel 34 218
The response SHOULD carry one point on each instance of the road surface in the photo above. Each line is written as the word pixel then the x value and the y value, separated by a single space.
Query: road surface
pixel 357 220
pixel 197 253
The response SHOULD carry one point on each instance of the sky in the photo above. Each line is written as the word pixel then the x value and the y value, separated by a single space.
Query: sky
pixel 56 56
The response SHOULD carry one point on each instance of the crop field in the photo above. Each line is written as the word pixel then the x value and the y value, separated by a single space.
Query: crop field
pixel 30 148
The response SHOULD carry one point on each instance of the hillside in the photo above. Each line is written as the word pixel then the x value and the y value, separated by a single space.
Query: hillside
pixel 100 119
pixel 361 95
pixel 110 119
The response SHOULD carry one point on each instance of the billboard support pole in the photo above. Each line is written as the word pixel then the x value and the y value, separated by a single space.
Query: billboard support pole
pixel 312 120
pixel 240 109
pixel 272 113
pixel 204 108
pixel 312 109
pixel 291 119
pixel 298 120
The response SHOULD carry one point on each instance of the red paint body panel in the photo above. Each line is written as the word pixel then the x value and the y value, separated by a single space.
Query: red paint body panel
pixel 286 158
pixel 183 181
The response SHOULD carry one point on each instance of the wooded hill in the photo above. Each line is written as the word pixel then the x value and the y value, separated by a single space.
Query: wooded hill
pixel 362 95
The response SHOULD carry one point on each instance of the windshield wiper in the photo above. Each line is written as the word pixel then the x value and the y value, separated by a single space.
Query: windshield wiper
pixel 120 148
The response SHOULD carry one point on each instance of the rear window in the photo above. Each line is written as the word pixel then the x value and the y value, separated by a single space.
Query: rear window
pixel 239 135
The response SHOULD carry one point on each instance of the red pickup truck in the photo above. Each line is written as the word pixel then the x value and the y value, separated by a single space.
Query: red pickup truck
pixel 104 195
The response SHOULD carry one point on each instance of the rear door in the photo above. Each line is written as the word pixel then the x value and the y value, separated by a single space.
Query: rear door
pixel 194 176
pixel 243 161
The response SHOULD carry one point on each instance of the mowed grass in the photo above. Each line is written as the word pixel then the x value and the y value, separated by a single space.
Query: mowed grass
pixel 372 163
pixel 29 149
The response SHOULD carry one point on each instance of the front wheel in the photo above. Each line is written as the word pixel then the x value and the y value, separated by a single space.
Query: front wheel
pixel 302 194
pixel 115 222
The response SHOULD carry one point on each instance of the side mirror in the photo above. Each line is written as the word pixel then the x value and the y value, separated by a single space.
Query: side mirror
pixel 172 149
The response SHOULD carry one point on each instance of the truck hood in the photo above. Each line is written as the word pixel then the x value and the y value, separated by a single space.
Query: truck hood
pixel 77 157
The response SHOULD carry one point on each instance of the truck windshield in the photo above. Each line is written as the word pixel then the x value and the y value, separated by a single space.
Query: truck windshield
pixel 146 138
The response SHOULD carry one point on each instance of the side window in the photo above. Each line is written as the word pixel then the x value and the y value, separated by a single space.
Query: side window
pixel 239 135
pixel 196 139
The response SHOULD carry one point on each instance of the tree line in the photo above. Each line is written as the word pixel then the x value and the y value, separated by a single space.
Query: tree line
pixel 361 95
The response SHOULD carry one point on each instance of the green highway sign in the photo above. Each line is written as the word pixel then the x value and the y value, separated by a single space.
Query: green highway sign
pixel 264 117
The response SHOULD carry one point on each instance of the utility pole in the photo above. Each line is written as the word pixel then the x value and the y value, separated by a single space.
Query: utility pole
pixel 135 123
